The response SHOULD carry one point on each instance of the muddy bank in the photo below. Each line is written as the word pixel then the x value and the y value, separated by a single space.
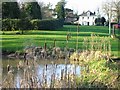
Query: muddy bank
pixel 40 53
pixel 37 53
pixel 12 54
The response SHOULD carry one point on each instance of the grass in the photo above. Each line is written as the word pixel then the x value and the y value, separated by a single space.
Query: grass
pixel 12 42
pixel 99 75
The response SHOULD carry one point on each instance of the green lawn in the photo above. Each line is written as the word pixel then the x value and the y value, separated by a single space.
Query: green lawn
pixel 12 42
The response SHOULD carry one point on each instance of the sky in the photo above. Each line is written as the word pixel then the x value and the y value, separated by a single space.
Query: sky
pixel 78 5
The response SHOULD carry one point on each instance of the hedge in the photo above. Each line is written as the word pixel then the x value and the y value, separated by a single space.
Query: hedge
pixel 46 24
pixel 9 24
pixel 36 24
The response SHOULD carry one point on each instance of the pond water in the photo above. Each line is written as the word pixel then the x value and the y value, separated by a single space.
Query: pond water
pixel 42 69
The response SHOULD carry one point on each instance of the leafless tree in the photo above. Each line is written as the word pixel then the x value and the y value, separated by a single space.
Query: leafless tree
pixel 107 9
pixel 112 8
pixel 116 5
pixel 46 10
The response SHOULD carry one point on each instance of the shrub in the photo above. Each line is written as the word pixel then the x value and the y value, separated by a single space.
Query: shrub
pixel 36 24
pixel 70 23
pixel 46 24
pixel 67 23
pixel 24 24
pixel 9 24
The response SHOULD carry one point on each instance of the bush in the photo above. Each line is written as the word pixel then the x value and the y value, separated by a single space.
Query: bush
pixel 24 24
pixel 36 24
pixel 46 24
pixel 67 23
pixel 70 23
pixel 9 24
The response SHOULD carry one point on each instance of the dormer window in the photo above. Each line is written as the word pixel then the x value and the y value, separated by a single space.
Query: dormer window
pixel 88 13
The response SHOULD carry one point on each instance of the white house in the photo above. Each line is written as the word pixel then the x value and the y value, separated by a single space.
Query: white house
pixel 87 18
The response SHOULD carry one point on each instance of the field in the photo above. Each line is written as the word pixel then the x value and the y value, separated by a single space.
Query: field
pixel 12 42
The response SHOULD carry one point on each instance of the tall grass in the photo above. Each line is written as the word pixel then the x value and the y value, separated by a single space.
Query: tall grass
pixel 100 71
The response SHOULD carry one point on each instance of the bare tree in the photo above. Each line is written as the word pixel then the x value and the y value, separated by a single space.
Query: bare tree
pixel 112 8
pixel 46 10
pixel 116 5
pixel 107 9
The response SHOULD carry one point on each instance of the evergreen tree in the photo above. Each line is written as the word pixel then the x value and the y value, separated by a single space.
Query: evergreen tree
pixel 103 20
pixel 10 10
pixel 33 10
pixel 100 21
pixel 60 9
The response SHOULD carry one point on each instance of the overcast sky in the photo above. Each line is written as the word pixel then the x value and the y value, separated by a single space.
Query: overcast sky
pixel 79 5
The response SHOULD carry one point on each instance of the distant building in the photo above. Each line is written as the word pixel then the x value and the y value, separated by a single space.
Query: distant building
pixel 70 17
pixel 87 18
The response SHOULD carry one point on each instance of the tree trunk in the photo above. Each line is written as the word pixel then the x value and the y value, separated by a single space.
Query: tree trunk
pixel 22 31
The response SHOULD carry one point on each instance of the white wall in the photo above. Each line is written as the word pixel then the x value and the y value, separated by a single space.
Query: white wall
pixel 87 20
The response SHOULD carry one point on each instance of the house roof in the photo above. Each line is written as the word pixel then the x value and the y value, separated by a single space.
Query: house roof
pixel 68 10
pixel 86 13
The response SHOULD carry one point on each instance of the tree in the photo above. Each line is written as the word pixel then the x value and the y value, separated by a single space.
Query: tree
pixel 10 10
pixel 0 10
pixel 33 10
pixel 103 20
pixel 112 9
pixel 107 9
pixel 24 20
pixel 100 21
pixel 46 10
pixel 23 13
pixel 116 5
pixel 60 9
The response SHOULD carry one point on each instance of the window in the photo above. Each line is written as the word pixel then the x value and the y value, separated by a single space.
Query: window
pixel 82 23
pixel 88 13
pixel 88 17
pixel 82 17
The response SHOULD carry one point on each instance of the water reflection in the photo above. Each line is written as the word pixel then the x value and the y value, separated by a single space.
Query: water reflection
pixel 43 70
pixel 71 69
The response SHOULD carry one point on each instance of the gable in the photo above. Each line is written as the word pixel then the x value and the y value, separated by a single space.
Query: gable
pixel 88 13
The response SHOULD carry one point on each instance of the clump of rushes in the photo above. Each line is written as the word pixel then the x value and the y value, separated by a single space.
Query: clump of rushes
pixel 45 45
pixel 54 43
pixel 98 70
pixel 77 33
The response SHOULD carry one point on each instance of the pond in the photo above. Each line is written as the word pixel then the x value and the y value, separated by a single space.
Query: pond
pixel 43 70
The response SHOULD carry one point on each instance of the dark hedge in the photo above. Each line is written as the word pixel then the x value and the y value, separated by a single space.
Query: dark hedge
pixel 36 24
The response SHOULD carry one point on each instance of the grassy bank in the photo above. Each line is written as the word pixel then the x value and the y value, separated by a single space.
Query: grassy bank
pixel 96 72
pixel 12 42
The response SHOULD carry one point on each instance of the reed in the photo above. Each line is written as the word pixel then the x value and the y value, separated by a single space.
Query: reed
pixel 95 60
